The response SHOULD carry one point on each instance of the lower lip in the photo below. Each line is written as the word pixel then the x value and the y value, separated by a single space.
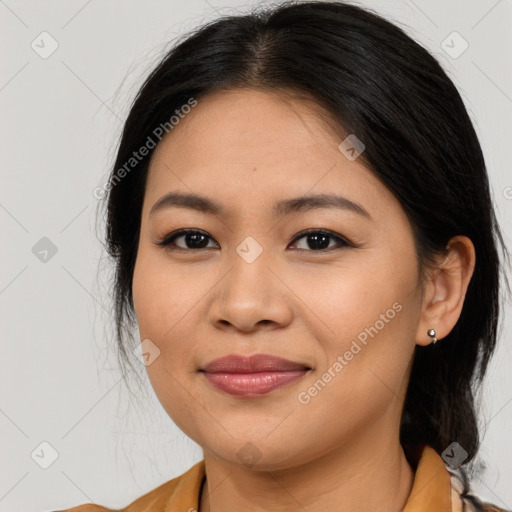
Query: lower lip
pixel 252 384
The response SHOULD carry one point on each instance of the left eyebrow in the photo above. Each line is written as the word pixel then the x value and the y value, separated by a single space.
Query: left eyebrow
pixel 318 201
pixel 281 208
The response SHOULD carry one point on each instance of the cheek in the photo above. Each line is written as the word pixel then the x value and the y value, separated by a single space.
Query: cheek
pixel 165 303
pixel 147 297
pixel 368 318
pixel 157 307
pixel 161 307
pixel 362 298
pixel 162 295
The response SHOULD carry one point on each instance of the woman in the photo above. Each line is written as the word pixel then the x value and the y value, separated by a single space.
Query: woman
pixel 301 223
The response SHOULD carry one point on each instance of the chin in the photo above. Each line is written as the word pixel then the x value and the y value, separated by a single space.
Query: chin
pixel 256 453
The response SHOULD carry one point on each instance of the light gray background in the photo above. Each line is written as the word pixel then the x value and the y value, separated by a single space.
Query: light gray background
pixel 60 119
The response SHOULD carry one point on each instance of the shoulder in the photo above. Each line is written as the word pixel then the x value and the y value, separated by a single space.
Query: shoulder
pixel 155 498
pixel 468 502
pixel 182 489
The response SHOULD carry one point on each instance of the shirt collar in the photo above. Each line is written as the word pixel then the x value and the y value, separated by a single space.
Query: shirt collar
pixel 431 489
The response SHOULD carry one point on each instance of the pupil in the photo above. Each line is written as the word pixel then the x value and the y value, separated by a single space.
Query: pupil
pixel 319 245
pixel 193 238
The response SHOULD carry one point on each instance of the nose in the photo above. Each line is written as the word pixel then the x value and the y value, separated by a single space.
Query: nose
pixel 251 296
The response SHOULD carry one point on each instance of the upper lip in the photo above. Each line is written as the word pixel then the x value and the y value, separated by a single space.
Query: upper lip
pixel 252 364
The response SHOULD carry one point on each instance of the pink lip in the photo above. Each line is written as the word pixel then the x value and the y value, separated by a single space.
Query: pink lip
pixel 252 376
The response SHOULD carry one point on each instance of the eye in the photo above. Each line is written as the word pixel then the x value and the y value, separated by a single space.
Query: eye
pixel 318 240
pixel 193 237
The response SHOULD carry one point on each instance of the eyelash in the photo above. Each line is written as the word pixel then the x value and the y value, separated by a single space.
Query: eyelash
pixel 168 241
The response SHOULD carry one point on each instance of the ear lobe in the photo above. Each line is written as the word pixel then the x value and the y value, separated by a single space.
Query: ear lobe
pixel 445 290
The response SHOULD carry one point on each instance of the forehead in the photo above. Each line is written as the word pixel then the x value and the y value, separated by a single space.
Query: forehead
pixel 237 122
pixel 250 144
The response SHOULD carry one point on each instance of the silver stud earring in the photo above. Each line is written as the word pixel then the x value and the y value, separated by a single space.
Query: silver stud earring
pixel 432 334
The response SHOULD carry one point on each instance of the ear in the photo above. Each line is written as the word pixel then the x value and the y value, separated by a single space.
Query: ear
pixel 444 290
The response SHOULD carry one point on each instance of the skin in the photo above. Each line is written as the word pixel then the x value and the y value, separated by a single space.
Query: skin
pixel 246 149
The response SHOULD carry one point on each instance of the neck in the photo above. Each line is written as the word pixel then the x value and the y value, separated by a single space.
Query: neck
pixel 358 477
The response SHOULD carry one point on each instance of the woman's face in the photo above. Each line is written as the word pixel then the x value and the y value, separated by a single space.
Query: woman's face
pixel 347 308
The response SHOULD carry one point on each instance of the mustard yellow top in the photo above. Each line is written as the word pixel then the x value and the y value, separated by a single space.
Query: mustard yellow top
pixel 434 490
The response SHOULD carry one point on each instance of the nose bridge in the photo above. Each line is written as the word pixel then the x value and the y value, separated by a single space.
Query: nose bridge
pixel 250 260
pixel 250 292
